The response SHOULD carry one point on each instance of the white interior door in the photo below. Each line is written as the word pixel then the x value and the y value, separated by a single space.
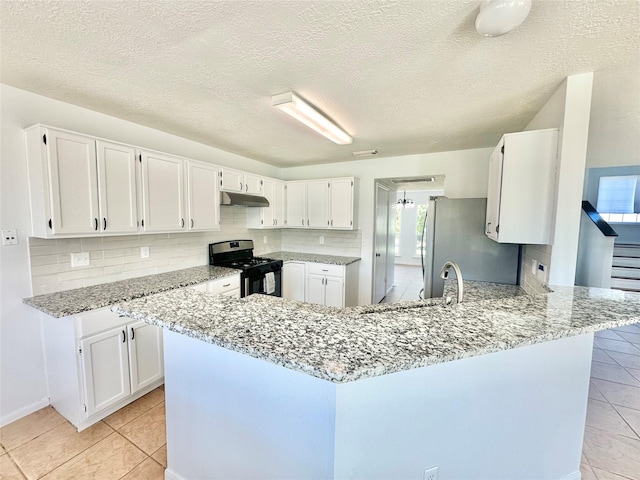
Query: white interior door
pixel 380 244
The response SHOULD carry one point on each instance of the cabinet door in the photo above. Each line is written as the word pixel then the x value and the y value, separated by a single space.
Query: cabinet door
pixel 232 180
pixel 296 204
pixel 279 203
pixel 73 180
pixel 105 365
pixel 203 196
pixel 117 187
pixel 318 203
pixel 494 188
pixel 163 193
pixel 145 354
pixel 252 184
pixel 267 219
pixel 315 289
pixel 341 203
pixel 293 275
pixel 334 292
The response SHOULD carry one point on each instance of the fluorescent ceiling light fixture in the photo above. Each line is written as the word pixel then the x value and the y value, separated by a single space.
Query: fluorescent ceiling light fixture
pixel 497 17
pixel 306 113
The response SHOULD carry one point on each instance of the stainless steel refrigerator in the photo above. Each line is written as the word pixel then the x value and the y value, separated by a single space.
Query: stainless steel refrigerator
pixel 454 230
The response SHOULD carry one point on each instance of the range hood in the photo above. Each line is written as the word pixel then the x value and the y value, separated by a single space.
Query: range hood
pixel 242 200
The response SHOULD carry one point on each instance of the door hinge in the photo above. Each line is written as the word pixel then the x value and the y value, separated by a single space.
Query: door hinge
pixel 142 222
pixel 44 138
pixel 80 351
pixel 85 407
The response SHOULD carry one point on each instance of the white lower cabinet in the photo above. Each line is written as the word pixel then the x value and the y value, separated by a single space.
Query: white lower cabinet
pixel 293 281
pixel 229 286
pixel 332 285
pixel 98 362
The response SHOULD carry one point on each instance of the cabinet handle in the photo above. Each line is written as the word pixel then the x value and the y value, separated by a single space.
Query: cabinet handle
pixel 182 223
pixel 124 336
pixel 246 187
pixel 96 223
pixel 324 270
pixel 303 221
pixel 241 186
pixel 192 223
pixel 226 285
pixel 104 223
pixel 133 333
pixel 377 254
pixel 307 222
pixel 332 223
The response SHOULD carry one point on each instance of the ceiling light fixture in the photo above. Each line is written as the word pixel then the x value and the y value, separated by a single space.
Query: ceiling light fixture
pixel 306 113
pixel 405 202
pixel 497 17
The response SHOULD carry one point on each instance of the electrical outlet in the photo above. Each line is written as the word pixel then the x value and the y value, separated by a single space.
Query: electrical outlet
pixel 80 259
pixel 541 269
pixel 9 236
pixel 321 239
pixel 431 473
pixel 144 252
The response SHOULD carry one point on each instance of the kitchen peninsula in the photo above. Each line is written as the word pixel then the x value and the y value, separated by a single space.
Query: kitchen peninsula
pixel 494 388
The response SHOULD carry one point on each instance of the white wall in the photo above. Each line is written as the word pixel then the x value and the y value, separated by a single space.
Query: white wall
pixel 466 174
pixel 615 118
pixel 22 373
pixel 568 109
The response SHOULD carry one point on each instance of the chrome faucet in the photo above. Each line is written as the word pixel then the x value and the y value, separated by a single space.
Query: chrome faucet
pixel 444 273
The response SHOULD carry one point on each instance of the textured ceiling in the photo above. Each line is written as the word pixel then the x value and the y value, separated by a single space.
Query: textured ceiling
pixel 403 77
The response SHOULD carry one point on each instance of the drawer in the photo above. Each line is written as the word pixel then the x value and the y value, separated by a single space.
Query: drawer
pixel 200 287
pixel 96 321
pixel 222 285
pixel 325 269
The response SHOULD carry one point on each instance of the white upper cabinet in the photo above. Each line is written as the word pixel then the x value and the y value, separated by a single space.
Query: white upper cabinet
pixel 79 185
pixel 325 203
pixel 272 216
pixel 117 187
pixel 521 188
pixel 203 196
pixel 318 203
pixel 341 202
pixel 162 192
pixel 238 181
pixel 296 201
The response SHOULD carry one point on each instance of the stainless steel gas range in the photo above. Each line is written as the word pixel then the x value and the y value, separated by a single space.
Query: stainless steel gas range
pixel 258 274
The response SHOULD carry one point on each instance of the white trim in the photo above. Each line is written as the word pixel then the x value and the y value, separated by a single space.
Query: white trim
pixel 573 476
pixel 23 412
pixel 169 475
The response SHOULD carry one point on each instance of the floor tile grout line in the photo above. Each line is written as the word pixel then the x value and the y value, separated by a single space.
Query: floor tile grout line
pixel 143 413
pixel 40 434
pixel 13 460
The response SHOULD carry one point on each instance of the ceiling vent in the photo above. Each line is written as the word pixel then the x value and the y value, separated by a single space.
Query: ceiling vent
pixel 365 153
pixel 413 180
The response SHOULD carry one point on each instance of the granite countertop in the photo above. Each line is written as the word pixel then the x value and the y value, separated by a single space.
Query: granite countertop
pixel 71 302
pixel 311 257
pixel 362 342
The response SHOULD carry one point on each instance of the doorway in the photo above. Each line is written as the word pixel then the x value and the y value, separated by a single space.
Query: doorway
pixel 387 222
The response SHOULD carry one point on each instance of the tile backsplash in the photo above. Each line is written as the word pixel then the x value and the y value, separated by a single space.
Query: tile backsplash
pixel 347 243
pixel 118 258
pixel 530 282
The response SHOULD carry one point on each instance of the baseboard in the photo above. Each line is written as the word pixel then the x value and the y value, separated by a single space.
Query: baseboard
pixel 573 476
pixel 23 412
pixel 169 475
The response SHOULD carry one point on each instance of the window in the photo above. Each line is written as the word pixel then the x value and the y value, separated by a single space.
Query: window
pixel 619 198
pixel 397 232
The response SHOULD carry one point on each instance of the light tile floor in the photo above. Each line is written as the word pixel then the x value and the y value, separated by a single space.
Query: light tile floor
pixel 611 449
pixel 128 445
pixel 131 443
